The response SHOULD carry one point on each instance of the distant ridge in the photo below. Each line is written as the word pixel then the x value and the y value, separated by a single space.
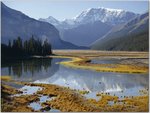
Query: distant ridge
pixel 132 36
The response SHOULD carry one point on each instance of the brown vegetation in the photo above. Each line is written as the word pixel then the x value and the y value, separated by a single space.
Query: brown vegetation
pixel 69 100
pixel 81 59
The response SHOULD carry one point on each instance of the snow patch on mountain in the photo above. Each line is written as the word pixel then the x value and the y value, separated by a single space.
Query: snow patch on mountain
pixel 106 15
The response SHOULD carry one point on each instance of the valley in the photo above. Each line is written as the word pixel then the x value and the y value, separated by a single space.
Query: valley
pixel 80 58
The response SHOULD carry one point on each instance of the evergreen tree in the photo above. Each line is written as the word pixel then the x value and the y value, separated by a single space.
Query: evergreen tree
pixel 26 48
pixel 46 48
pixel 19 43
pixel 9 44
pixel 14 44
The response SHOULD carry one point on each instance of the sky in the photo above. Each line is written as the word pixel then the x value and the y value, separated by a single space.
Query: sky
pixel 66 9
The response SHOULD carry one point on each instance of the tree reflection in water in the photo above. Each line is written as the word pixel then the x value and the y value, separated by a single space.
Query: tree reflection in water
pixel 28 66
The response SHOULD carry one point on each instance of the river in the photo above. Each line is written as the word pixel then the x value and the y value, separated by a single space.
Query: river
pixel 50 72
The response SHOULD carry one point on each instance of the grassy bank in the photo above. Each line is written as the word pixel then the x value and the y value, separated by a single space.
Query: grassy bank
pixel 83 63
pixel 81 60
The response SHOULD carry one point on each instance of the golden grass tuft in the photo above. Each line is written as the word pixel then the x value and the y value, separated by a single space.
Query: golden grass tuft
pixel 6 78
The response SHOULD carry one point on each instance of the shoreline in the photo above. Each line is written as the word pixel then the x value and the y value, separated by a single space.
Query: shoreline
pixel 82 60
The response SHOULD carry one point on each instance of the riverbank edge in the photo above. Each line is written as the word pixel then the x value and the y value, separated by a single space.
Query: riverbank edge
pixel 84 63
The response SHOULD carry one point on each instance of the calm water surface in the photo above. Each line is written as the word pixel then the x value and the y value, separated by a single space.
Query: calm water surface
pixel 50 72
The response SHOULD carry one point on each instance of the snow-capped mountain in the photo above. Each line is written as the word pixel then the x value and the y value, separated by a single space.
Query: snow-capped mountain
pixel 90 24
pixel 51 20
pixel 130 36
pixel 91 15
pixel 106 15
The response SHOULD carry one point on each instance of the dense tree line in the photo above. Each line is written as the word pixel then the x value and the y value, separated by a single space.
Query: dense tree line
pixel 18 48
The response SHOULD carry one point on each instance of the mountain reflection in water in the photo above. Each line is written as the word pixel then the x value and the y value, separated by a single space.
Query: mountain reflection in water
pixel 96 81
pixel 48 71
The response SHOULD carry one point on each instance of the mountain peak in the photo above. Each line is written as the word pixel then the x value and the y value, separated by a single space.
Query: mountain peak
pixel 2 4
pixel 50 17
pixel 101 9
pixel 106 15
pixel 111 9
pixel 51 20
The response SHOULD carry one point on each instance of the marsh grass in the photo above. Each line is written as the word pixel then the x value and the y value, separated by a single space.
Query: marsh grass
pixel 67 100
pixel 83 63
pixel 81 59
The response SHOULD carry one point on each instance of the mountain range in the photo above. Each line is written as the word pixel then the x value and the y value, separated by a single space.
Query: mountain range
pixel 90 24
pixel 131 36
pixel 15 23
pixel 91 15
pixel 95 28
